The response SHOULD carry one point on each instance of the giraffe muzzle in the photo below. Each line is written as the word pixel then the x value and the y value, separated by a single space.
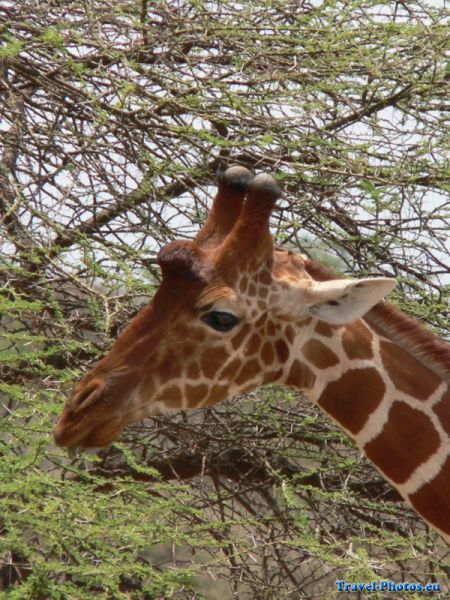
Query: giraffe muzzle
pixel 88 395
pixel 88 419
pixel 78 431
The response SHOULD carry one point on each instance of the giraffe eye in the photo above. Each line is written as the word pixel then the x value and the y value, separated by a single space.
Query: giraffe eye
pixel 219 320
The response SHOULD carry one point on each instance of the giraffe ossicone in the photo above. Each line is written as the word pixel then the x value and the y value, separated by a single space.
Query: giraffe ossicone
pixel 233 313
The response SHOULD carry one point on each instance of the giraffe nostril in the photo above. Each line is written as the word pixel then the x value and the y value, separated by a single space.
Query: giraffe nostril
pixel 89 394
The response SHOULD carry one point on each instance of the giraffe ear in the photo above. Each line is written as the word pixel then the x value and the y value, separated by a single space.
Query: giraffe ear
pixel 181 259
pixel 340 301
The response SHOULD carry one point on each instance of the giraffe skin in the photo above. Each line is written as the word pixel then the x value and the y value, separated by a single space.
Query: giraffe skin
pixel 233 313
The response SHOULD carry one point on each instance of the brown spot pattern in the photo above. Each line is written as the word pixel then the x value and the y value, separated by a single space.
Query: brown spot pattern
pixel 193 371
pixel 190 332
pixel 432 500
pixel 406 441
pixel 237 340
pixel 407 373
pixel 217 394
pixel 304 322
pixel 357 341
pixel 212 360
pixel 171 397
pixel 324 329
pixel 319 354
pixel 231 369
pixel 253 344
pixel 300 376
pixel 248 371
pixel 274 299
pixel 196 394
pixel 273 376
pixel 352 398
pixel 271 328
pixel 282 350
pixel 247 388
pixel 261 321
pixel 290 334
pixel 169 369
pixel 265 277
pixel 442 410
pixel 243 285
pixel 267 353
pixel 187 350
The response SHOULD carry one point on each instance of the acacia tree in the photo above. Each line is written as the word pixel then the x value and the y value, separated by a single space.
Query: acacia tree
pixel 114 118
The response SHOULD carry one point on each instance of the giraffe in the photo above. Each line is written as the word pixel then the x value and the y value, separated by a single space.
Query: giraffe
pixel 233 313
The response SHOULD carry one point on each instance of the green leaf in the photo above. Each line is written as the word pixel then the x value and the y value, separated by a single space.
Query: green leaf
pixel 52 37
pixel 12 48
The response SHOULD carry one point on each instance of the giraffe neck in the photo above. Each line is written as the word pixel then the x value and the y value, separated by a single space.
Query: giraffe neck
pixel 395 408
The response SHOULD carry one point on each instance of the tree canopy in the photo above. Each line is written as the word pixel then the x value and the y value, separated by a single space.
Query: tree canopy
pixel 115 117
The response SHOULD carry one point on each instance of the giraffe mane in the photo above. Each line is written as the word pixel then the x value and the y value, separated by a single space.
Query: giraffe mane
pixel 426 346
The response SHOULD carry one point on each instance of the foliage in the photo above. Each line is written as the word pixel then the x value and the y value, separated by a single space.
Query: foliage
pixel 114 118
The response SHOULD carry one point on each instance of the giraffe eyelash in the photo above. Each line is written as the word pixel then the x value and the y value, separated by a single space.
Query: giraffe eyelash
pixel 204 308
pixel 220 320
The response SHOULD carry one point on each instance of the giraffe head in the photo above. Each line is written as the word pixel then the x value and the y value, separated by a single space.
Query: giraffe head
pixel 224 320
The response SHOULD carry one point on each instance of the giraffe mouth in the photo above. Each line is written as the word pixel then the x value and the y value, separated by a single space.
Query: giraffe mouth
pixel 80 431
